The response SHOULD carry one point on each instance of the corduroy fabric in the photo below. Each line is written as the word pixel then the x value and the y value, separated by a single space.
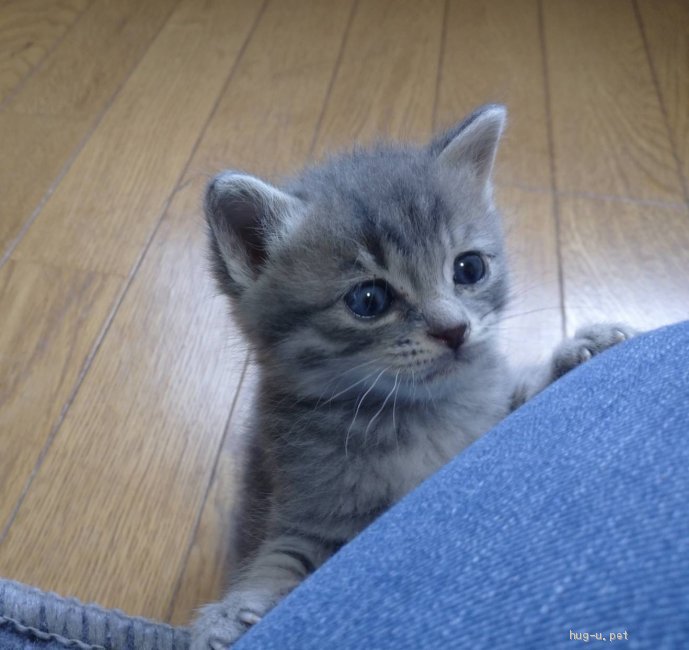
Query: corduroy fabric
pixel 30 618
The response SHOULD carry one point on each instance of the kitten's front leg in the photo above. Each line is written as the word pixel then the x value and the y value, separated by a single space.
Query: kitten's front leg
pixel 587 342
pixel 280 565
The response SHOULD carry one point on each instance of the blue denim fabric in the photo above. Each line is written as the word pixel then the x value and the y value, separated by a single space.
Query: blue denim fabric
pixel 568 520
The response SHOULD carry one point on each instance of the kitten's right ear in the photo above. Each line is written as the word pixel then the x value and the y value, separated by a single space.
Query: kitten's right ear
pixel 472 144
pixel 244 214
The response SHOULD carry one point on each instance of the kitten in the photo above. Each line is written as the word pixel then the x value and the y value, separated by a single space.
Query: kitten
pixel 370 288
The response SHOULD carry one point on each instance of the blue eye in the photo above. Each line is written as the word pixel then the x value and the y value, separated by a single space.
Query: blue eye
pixel 369 299
pixel 469 268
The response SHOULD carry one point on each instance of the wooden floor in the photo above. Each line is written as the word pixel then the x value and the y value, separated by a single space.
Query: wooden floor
pixel 123 387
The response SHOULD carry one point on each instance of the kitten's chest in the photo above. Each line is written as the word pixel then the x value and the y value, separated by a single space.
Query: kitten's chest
pixel 424 444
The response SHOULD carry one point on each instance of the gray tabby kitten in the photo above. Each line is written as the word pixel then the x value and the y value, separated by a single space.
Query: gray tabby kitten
pixel 370 288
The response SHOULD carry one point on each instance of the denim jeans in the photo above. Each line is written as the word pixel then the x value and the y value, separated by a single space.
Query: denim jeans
pixel 566 524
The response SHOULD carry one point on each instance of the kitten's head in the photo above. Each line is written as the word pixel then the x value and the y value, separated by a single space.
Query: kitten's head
pixel 380 266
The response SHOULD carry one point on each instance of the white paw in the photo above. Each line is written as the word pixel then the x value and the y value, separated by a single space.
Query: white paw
pixel 219 625
pixel 586 343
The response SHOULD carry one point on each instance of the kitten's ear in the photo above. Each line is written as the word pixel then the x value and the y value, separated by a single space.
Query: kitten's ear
pixel 244 214
pixel 474 142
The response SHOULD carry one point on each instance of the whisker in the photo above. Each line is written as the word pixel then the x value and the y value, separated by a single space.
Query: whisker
pixel 338 378
pixel 394 426
pixel 394 403
pixel 361 401
pixel 524 313
pixel 379 411
pixel 356 383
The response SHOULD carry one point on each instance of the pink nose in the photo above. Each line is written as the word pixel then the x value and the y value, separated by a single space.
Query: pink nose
pixel 453 337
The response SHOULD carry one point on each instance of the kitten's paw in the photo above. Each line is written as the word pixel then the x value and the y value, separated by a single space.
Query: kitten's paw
pixel 221 624
pixel 586 343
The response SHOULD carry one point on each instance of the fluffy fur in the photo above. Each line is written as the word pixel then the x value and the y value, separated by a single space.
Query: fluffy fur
pixel 355 412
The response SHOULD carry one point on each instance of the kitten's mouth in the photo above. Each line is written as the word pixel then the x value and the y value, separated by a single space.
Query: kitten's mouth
pixel 450 364
pixel 437 373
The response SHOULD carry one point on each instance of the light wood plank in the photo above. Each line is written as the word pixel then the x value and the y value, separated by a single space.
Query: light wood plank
pixel 609 133
pixel 124 174
pixel 50 318
pixel 211 557
pixel 108 515
pixel 173 91
pixel 386 82
pixel 71 90
pixel 624 261
pixel 492 53
pixel 29 29
pixel 532 324
pixel 34 151
pixel 666 25
pixel 169 302
pixel 266 121
pixel 115 35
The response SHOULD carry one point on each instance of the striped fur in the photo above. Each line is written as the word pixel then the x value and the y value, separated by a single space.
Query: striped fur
pixel 352 414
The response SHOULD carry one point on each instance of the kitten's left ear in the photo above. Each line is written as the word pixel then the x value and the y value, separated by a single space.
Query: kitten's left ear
pixel 245 216
pixel 473 143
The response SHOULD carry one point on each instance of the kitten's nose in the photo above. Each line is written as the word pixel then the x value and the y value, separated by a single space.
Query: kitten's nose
pixel 453 337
